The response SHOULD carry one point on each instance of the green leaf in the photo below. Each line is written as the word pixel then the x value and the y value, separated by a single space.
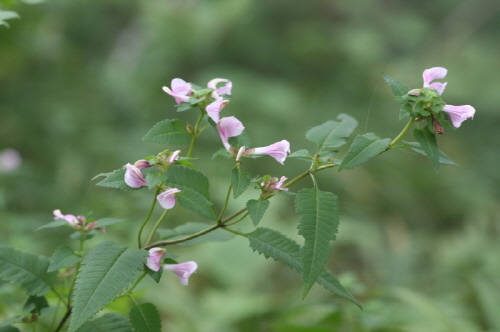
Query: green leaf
pixel 398 88
pixel 170 132
pixel 63 257
pixel 145 318
pixel 427 140
pixel 443 158
pixel 109 322
pixel 405 111
pixel 107 270
pixel 115 179
pixel 240 181
pixel 256 209
pixel 302 154
pixel 108 221
pixel 273 244
pixel 318 225
pixel 184 107
pixel 27 270
pixel 196 202
pixel 363 149
pixel 191 228
pixel 53 224
pixel 8 328
pixel 35 304
pixel 332 134
pixel 241 140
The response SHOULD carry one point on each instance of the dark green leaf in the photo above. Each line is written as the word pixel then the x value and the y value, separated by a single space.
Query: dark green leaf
pixel 318 225
pixel 115 179
pixel 26 270
pixel 63 257
pixel 363 149
pixel 156 275
pixel 184 177
pixel 106 272
pixel 405 111
pixel 240 181
pixel 398 88
pixel 443 158
pixel 35 304
pixel 8 328
pixel 332 134
pixel 145 318
pixel 169 132
pixel 109 322
pixel 196 202
pixel 427 140
pixel 154 177
pixel 256 209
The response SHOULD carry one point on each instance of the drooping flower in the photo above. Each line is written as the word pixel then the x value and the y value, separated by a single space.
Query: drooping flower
pixel 229 127
pixel 10 160
pixel 223 90
pixel 181 90
pixel 277 185
pixel 142 164
pixel 214 108
pixel 432 74
pixel 155 257
pixel 134 177
pixel 173 157
pixel 70 219
pixel 182 270
pixel 278 150
pixel 459 114
pixel 167 198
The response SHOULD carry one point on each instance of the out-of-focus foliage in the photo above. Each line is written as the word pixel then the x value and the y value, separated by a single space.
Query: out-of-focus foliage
pixel 80 85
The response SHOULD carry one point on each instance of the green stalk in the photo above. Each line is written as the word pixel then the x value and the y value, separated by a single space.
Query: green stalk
pixel 401 134
pixel 148 216
pixel 195 134
pixel 225 203
pixel 157 224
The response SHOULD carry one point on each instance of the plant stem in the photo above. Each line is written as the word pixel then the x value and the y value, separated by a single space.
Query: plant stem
pixel 192 236
pixel 148 216
pixel 195 133
pixel 226 202
pixel 153 231
pixel 401 134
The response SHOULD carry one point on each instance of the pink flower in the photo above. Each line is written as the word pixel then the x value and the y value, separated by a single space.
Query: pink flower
pixel 10 160
pixel 223 90
pixel 229 127
pixel 433 74
pixel 167 198
pixel 70 219
pixel 142 164
pixel 459 114
pixel 134 177
pixel 180 90
pixel 182 270
pixel 173 157
pixel 277 185
pixel 214 108
pixel 277 150
pixel 155 257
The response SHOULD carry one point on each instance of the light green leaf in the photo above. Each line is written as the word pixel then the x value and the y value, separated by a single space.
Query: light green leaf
pixel 191 228
pixel 405 111
pixel 427 140
pixel 318 225
pixel 443 158
pixel 53 224
pixel 27 270
pixel 399 89
pixel 106 272
pixel 273 244
pixel 169 132
pixel 363 149
pixel 115 179
pixel 108 221
pixel 332 134
pixel 184 107
pixel 145 318
pixel 240 181
pixel 109 322
pixel 301 154
pixel 256 209
pixel 63 257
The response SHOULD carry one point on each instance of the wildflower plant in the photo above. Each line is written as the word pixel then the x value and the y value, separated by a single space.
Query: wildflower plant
pixel 83 281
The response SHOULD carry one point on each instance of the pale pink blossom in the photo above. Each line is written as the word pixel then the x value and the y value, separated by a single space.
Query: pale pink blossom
pixel 155 257
pixel 182 270
pixel 167 198
pixel 142 164
pixel 277 185
pixel 229 127
pixel 432 74
pixel 181 90
pixel 278 150
pixel 173 157
pixel 69 218
pixel 223 90
pixel 214 108
pixel 134 177
pixel 459 114
pixel 10 160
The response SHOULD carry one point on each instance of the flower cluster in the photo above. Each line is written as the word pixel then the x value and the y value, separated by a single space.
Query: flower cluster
pixel 77 222
pixel 182 270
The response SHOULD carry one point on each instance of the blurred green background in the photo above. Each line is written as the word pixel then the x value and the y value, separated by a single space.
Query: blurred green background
pixel 80 85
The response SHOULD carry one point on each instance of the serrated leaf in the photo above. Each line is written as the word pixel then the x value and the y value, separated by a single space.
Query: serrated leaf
pixel 169 132
pixel 184 107
pixel 363 149
pixel 35 304
pixel 256 209
pixel 106 272
pixel 222 153
pixel 273 244
pixel 63 257
pixel 115 179
pixel 240 181
pixel 53 224
pixel 191 228
pixel 196 202
pixel 443 158
pixel 145 318
pixel 427 140
pixel 301 154
pixel 332 134
pixel 399 89
pixel 318 225
pixel 109 322
pixel 405 111
pixel 27 270
pixel 154 177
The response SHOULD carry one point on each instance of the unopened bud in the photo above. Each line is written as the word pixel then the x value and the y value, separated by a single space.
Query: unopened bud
pixel 415 92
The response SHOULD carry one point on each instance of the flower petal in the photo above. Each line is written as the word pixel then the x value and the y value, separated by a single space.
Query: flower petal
pixel 134 177
pixel 155 257
pixel 167 198
pixel 182 270
pixel 432 74
pixel 214 108
pixel 277 150
pixel 229 127
pixel 459 114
